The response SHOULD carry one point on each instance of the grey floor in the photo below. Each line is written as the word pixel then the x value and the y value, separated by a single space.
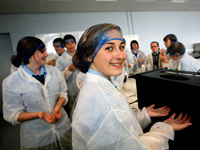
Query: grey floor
pixel 9 135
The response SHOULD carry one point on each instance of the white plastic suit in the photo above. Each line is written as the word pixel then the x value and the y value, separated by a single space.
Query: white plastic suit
pixel 103 120
pixel 188 63
pixel 131 59
pixel 62 63
pixel 23 93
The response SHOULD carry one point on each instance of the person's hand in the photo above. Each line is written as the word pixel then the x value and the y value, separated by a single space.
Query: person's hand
pixel 71 67
pixel 159 112
pixel 140 59
pixel 129 65
pixel 162 53
pixel 47 117
pixel 135 63
pixel 52 62
pixel 180 122
pixel 57 113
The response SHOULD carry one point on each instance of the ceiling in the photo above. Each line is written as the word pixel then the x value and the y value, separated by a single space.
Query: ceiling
pixel 70 6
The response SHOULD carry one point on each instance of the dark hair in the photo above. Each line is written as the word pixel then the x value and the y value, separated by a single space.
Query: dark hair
pixel 134 41
pixel 155 42
pixel 58 40
pixel 176 47
pixel 67 37
pixel 171 37
pixel 89 42
pixel 26 47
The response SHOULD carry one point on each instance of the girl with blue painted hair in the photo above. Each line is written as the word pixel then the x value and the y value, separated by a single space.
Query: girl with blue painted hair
pixel 102 119
pixel 33 97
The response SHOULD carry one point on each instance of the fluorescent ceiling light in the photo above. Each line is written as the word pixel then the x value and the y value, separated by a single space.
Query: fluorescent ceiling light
pixel 179 1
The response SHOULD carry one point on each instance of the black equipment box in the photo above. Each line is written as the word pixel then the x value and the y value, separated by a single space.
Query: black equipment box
pixel 177 89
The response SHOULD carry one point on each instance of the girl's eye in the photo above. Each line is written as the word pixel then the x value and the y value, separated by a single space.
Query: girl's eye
pixel 122 47
pixel 109 48
pixel 43 50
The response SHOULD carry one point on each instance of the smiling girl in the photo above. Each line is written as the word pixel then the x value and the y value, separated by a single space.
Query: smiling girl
pixel 33 96
pixel 103 120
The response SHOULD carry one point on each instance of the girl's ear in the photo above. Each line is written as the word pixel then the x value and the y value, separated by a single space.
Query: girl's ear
pixel 89 59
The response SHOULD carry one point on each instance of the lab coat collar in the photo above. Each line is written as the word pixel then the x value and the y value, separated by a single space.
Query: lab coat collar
pixel 99 74
pixel 29 77
pixel 101 79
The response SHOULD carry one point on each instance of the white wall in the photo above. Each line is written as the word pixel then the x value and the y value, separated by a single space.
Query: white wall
pixel 148 25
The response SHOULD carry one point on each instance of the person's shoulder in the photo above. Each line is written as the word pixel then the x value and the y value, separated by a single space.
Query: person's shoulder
pixel 12 78
pixel 50 68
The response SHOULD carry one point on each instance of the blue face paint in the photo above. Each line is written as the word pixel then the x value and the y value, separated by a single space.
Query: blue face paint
pixel 26 57
pixel 103 42
pixel 61 46
pixel 69 40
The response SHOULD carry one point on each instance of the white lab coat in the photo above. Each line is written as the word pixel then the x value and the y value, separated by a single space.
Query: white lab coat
pixel 62 63
pixel 188 63
pixel 103 120
pixel 131 59
pixel 23 93
pixel 118 79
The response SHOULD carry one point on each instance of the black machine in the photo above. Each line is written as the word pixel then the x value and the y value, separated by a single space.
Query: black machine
pixel 177 89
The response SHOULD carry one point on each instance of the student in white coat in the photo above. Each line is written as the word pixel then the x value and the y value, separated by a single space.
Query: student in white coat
pixel 65 65
pixel 135 57
pixel 102 119
pixel 186 62
pixel 33 96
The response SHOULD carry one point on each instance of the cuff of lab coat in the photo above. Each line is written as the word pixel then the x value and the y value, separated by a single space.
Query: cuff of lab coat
pixel 64 95
pixel 67 73
pixel 14 122
pixel 166 129
pixel 147 117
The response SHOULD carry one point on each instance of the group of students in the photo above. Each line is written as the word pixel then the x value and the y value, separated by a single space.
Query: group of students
pixel 36 93
pixel 174 57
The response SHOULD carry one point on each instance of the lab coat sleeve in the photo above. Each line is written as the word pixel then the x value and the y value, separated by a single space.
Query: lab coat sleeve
pixel 80 79
pixel 12 105
pixel 60 65
pixel 63 87
pixel 142 117
pixel 158 136
pixel 67 73
pixel 130 61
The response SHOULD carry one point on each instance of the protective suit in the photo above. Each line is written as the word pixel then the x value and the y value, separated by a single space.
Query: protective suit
pixel 188 63
pixel 62 64
pixel 103 120
pixel 23 93
pixel 118 79
pixel 131 59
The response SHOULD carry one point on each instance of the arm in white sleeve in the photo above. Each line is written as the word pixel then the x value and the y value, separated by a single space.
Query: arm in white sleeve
pixel 142 117
pixel 62 87
pixel 60 65
pixel 158 137
pixel 12 105
pixel 66 73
